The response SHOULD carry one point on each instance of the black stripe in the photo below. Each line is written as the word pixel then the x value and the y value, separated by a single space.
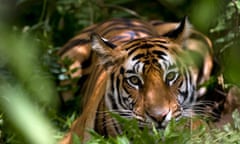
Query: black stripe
pixel 113 104
pixel 189 76
pixel 156 63
pixel 146 46
pixel 144 69
pixel 125 89
pixel 176 32
pixel 146 62
pixel 159 54
pixel 120 97
pixel 138 56
pixel 111 29
pixel 133 50
pixel 120 100
pixel 192 98
pixel 87 63
pixel 72 44
pixel 136 67
pixel 105 25
pixel 130 71
pixel 115 126
pixel 132 45
pixel 162 46
pixel 105 132
pixel 148 32
pixel 119 38
pixel 143 46
pixel 80 83
pixel 109 44
pixel 112 80
pixel 188 84
pixel 184 94
pixel 159 41
pixel 122 70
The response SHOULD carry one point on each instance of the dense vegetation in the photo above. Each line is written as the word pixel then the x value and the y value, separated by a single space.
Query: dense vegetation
pixel 31 31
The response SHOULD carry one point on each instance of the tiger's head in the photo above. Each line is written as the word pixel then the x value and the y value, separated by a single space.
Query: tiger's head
pixel 148 78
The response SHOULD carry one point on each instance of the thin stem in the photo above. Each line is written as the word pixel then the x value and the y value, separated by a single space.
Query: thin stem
pixel 43 11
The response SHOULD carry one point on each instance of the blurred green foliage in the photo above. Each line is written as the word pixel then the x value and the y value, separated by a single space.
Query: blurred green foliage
pixel 31 31
pixel 26 90
pixel 226 35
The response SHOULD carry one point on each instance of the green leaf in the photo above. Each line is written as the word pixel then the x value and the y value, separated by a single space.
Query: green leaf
pixel 76 139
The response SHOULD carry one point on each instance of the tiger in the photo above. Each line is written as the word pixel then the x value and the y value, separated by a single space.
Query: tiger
pixel 150 71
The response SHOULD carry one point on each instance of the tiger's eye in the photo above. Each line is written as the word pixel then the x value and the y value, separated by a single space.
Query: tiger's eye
pixel 134 80
pixel 170 76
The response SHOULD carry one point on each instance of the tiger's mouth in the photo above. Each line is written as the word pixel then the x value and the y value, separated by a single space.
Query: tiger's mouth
pixel 190 122
pixel 150 122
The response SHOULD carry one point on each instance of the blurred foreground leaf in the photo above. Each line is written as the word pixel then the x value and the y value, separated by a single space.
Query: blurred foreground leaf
pixel 22 59
pixel 23 115
pixel 26 90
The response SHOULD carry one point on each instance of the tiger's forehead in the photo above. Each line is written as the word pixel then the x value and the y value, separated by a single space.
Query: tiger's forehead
pixel 157 52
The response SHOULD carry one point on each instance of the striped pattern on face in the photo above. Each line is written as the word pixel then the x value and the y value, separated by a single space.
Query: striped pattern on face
pixel 153 61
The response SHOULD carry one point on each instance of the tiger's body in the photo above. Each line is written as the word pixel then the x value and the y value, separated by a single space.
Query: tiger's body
pixel 141 70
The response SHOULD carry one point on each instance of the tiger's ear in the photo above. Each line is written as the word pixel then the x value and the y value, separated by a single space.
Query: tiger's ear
pixel 181 32
pixel 104 50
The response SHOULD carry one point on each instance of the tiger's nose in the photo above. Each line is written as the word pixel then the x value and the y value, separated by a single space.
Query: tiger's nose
pixel 158 114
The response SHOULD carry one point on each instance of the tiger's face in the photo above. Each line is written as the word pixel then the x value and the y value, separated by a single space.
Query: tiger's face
pixel 148 79
pixel 153 82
